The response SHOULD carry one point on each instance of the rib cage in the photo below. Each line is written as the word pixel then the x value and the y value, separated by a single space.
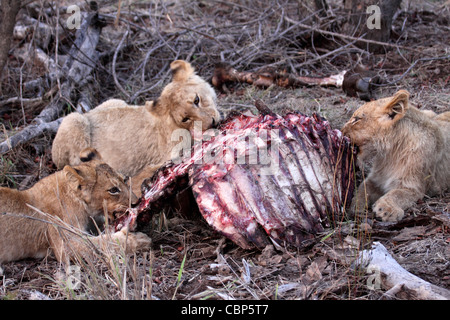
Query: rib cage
pixel 261 178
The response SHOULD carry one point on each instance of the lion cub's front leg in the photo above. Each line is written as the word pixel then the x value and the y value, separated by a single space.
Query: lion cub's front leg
pixel 391 206
pixel 119 242
pixel 122 241
pixel 368 192
pixel 132 241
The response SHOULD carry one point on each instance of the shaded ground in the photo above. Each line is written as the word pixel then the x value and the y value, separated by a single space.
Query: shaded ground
pixel 190 261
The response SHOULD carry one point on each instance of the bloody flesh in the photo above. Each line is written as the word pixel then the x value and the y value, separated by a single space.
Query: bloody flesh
pixel 260 178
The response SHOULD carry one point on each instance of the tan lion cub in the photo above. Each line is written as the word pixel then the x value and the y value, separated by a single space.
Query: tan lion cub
pixel 409 152
pixel 35 220
pixel 135 139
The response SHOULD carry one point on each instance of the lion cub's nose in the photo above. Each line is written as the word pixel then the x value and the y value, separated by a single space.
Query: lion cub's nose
pixel 344 129
pixel 134 199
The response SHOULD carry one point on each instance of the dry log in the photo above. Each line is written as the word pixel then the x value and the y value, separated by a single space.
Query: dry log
pixel 389 274
pixel 30 132
pixel 42 32
pixel 51 72
pixel 37 57
pixel 225 74
pixel 82 59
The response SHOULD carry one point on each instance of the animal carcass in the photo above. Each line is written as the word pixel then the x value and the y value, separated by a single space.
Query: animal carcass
pixel 259 178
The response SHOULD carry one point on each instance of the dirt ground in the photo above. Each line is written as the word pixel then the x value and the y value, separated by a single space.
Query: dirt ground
pixel 188 260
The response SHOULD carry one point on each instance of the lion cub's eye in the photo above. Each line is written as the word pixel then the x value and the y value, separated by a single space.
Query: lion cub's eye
pixel 196 100
pixel 355 119
pixel 185 120
pixel 114 191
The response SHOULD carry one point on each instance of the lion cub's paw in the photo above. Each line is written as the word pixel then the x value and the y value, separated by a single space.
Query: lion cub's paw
pixel 134 240
pixel 387 212
pixel 139 241
pixel 358 208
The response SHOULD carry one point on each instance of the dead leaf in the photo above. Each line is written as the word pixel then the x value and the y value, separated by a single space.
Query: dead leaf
pixel 269 257
pixel 410 233
pixel 314 271
pixel 352 242
pixel 443 218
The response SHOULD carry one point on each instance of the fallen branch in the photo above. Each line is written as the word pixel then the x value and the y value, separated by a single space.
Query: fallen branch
pixel 27 103
pixel 82 59
pixel 347 37
pixel 30 132
pixel 388 273
pixel 400 78
pixel 225 74
pixel 36 56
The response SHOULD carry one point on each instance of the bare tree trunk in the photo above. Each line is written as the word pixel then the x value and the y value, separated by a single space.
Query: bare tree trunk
pixel 8 12
pixel 371 19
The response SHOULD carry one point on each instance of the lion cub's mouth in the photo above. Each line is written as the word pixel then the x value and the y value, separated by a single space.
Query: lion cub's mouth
pixel 118 213
pixel 96 225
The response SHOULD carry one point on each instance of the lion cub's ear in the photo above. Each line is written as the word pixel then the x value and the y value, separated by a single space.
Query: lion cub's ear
pixel 396 108
pixel 89 154
pixel 181 70
pixel 80 180
pixel 74 177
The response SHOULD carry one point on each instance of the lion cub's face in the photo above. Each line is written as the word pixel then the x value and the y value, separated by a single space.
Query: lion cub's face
pixel 372 119
pixel 98 185
pixel 188 98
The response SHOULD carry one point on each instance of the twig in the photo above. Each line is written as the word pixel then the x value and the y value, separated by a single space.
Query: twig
pixel 20 100
pixel 147 89
pixel 194 47
pixel 116 21
pixel 30 132
pixel 412 66
pixel 147 56
pixel 28 101
pixel 203 35
pixel 343 36
pixel 325 55
pixel 116 81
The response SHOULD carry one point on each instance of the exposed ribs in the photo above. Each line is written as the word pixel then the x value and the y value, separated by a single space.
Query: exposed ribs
pixel 260 178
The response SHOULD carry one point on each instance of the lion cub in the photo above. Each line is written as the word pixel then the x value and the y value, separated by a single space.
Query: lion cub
pixel 408 151
pixel 136 139
pixel 35 220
